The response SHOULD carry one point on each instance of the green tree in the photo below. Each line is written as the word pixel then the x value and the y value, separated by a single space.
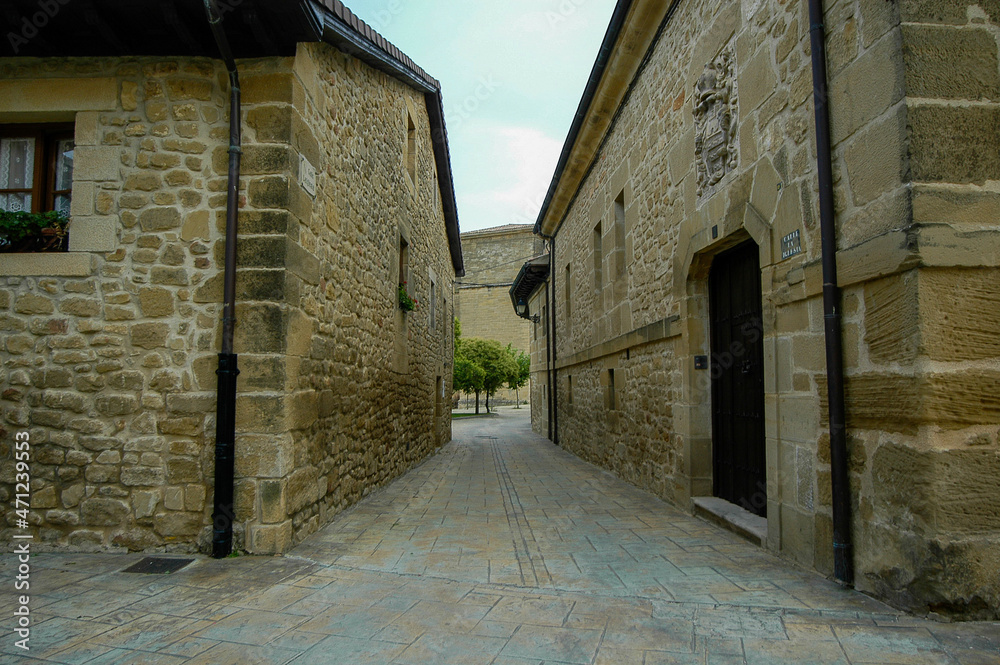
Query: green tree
pixel 498 365
pixel 468 376
pixel 517 381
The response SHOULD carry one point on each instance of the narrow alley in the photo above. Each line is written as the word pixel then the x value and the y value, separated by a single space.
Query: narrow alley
pixel 501 549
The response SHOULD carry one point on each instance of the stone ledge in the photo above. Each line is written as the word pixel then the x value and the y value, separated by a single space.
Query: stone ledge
pixel 654 332
pixel 730 516
pixel 28 99
pixel 47 264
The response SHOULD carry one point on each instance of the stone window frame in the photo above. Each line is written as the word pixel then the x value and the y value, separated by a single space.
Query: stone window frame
pixel 432 300
pixel 80 101
pixel 612 391
pixel 438 398
pixel 598 252
pixel 618 211
pixel 77 261
pixel 410 144
pixel 568 297
pixel 403 255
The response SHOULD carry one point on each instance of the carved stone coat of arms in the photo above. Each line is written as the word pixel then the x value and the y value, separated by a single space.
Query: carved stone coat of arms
pixel 715 113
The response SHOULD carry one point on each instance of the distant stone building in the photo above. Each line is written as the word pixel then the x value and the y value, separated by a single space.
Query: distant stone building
pixel 687 282
pixel 110 350
pixel 482 302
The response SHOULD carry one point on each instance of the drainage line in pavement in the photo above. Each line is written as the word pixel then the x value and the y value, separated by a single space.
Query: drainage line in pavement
pixel 840 483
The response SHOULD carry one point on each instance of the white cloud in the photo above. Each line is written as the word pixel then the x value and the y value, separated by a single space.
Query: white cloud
pixel 507 180
pixel 512 72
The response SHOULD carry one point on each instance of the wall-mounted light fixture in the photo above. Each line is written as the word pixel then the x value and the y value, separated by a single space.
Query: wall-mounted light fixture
pixel 522 311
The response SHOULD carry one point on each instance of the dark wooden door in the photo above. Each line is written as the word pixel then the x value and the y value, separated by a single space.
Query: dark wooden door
pixel 738 379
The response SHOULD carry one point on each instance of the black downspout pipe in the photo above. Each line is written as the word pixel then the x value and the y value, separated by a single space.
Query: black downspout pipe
pixel 555 350
pixel 548 352
pixel 225 422
pixel 843 560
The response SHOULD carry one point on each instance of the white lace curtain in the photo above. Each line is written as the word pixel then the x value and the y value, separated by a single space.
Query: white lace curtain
pixel 64 174
pixel 17 168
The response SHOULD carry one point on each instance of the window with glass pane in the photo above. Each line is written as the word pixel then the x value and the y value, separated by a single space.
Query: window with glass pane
pixel 62 182
pixel 36 167
pixel 17 171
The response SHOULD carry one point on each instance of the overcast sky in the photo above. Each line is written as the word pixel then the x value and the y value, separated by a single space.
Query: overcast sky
pixel 513 72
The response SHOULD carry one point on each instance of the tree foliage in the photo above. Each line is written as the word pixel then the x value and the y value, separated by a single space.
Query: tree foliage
pixel 484 366
pixel 469 377
pixel 523 361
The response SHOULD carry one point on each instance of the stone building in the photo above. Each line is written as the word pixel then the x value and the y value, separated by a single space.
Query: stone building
pixel 110 350
pixel 482 304
pixel 687 281
pixel 530 292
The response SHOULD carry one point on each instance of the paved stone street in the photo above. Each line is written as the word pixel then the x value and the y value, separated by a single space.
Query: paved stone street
pixel 502 549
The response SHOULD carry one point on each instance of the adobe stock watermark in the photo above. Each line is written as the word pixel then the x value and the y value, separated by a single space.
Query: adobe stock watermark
pixel 22 548
pixel 387 14
pixel 465 109
pixel 530 207
pixel 564 11
pixel 31 26
pixel 757 501
pixel 722 361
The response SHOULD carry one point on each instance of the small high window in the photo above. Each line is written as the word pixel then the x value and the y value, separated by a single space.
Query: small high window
pixel 433 305
pixel 620 234
pixel 612 397
pixel 404 262
pixel 569 301
pixel 598 264
pixel 411 148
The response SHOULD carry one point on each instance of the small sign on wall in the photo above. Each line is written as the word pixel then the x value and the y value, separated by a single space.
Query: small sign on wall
pixel 791 245
pixel 307 176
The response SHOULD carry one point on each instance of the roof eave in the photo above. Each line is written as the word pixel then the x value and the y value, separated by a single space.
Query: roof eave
pixel 344 31
pixel 632 31
pixel 264 28
pixel 529 279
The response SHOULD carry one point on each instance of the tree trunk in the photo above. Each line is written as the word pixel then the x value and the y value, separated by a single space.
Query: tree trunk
pixel 487 402
pixel 477 402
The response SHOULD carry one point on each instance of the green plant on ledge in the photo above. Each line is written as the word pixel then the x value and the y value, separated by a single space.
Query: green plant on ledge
pixel 33 231
pixel 406 303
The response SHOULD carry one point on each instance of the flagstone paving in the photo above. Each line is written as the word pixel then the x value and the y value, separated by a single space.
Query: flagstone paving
pixel 502 549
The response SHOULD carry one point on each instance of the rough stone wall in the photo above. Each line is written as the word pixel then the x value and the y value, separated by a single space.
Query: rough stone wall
pixel 109 355
pixel 539 368
pixel 926 462
pixel 913 90
pixel 341 388
pixel 494 257
pixel 100 348
pixel 631 420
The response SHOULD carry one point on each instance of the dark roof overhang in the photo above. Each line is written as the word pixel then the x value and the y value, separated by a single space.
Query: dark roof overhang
pixel 95 28
pixel 530 278
pixel 255 28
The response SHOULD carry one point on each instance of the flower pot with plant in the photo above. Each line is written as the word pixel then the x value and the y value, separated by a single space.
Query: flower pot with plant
pixel 33 231
pixel 406 303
